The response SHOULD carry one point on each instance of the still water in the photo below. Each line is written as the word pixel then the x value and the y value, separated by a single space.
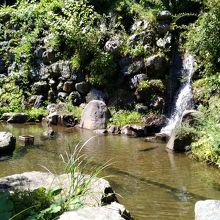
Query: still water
pixel 151 183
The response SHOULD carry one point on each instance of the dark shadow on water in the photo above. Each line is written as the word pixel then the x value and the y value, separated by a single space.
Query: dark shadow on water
pixel 148 149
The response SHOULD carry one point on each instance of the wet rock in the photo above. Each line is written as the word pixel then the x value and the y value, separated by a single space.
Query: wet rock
pixel 96 94
pixel 95 115
pixel 113 129
pixel 112 45
pixel 182 142
pixel 115 211
pixel 68 86
pixel 164 16
pixel 7 143
pixel 75 98
pixel 53 118
pixel 154 123
pixel 69 121
pixel 134 130
pixel 17 118
pixel 207 210
pixel 82 87
pixel 100 131
pixel 50 133
pixel 135 80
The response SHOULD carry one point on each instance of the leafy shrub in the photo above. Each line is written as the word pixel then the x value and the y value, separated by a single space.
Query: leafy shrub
pixel 124 117
pixel 153 85
pixel 202 40
pixel 207 146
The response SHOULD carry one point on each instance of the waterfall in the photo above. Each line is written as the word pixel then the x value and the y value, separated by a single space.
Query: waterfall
pixel 183 99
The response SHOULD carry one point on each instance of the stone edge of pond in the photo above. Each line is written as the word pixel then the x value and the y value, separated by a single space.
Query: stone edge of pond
pixel 99 193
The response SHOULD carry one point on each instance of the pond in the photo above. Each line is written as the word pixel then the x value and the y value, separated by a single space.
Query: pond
pixel 151 183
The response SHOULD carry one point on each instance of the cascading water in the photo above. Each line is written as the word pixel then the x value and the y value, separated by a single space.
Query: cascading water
pixel 183 100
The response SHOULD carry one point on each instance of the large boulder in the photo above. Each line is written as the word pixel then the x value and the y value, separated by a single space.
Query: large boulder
pixel 207 210
pixel 7 143
pixel 115 211
pixel 99 191
pixel 95 115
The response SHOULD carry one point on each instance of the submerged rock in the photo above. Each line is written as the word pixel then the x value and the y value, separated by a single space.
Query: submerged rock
pixel 95 115
pixel 7 143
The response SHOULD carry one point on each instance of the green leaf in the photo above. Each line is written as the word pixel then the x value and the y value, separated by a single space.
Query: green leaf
pixel 55 191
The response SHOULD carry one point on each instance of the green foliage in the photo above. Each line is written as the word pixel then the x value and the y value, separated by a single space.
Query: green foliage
pixel 207 146
pixel 155 85
pixel 11 97
pixel 205 88
pixel 75 110
pixel 125 117
pixel 101 69
pixel 37 113
pixel 202 40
